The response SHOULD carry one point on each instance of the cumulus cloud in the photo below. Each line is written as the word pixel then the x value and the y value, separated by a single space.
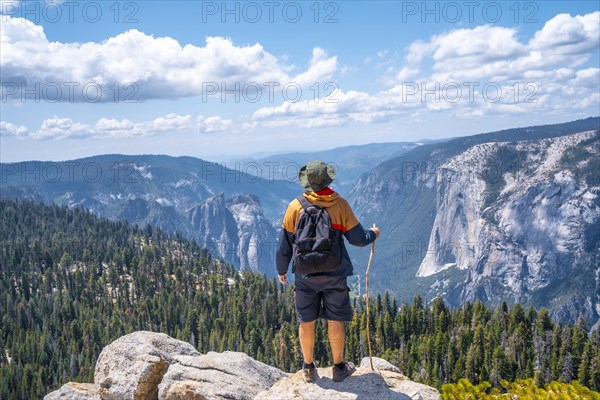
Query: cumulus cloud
pixel 472 46
pixel 473 72
pixel 63 128
pixel 566 34
pixel 156 67
pixel 212 124
pixel 338 109
pixel 321 67
pixel 405 73
pixel 170 122
pixel 56 128
pixel 470 72
pixel 115 127
pixel 492 52
pixel 8 129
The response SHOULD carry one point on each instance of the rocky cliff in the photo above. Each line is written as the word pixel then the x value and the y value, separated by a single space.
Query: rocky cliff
pixel 236 229
pixel 147 365
pixel 521 219
pixel 502 216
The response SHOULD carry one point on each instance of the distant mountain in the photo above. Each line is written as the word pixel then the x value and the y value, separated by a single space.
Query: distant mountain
pixel 237 230
pixel 447 209
pixel 172 193
pixel 350 162
pixel 511 215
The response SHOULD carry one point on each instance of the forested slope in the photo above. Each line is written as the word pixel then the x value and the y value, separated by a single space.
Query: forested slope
pixel 72 282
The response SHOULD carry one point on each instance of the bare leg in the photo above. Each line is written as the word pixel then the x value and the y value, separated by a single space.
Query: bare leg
pixel 307 340
pixel 337 337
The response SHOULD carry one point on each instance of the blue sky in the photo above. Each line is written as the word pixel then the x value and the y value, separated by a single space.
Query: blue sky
pixel 85 78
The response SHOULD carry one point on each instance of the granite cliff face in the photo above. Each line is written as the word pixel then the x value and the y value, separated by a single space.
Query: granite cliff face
pixel 148 365
pixel 522 221
pixel 236 229
pixel 502 216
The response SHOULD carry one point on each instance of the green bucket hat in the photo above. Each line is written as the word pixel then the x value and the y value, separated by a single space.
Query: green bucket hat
pixel 316 175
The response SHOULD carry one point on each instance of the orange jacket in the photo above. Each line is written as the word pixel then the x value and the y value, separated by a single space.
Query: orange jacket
pixel 342 218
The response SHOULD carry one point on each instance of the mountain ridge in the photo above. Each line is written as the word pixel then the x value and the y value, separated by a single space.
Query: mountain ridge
pixel 349 161
pixel 400 195
pixel 160 190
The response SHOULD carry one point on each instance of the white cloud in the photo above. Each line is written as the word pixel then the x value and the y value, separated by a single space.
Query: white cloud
pixel 568 35
pixel 62 128
pixel 587 78
pixel 405 73
pixel 418 50
pixel 8 129
pixel 552 62
pixel 170 122
pixel 339 109
pixel 66 128
pixel 474 72
pixel 113 125
pixel 160 67
pixel 483 43
pixel 212 124
pixel 492 52
pixel 321 67
pixel 106 127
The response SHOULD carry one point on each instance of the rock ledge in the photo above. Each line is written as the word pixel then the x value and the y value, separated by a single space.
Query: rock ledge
pixel 148 365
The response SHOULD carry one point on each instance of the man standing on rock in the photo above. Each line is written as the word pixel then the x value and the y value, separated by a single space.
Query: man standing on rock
pixel 325 293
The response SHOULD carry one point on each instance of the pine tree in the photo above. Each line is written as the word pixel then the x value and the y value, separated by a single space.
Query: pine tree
pixel 568 369
pixel 584 373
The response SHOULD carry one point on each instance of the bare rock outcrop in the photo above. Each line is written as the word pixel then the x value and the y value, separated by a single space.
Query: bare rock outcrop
pixel 76 391
pixel 227 375
pixel 385 383
pixel 149 366
pixel 132 366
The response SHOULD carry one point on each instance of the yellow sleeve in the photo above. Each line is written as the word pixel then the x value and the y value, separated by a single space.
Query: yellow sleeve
pixel 350 220
pixel 291 216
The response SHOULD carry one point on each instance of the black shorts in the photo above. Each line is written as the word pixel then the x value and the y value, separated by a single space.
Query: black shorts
pixel 323 296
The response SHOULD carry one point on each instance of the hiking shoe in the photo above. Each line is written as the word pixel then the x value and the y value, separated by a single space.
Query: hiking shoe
pixel 339 374
pixel 308 372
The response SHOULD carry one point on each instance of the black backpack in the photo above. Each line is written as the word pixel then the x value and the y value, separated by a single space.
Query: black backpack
pixel 317 246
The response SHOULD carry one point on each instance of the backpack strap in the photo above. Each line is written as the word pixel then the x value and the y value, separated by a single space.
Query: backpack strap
pixel 305 203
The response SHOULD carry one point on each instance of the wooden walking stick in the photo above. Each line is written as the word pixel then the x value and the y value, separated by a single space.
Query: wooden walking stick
pixel 367 298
